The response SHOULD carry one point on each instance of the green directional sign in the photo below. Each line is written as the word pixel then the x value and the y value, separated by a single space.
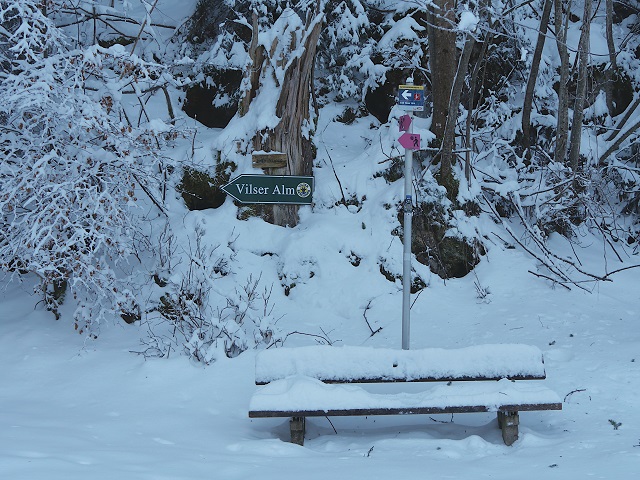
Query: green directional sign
pixel 281 189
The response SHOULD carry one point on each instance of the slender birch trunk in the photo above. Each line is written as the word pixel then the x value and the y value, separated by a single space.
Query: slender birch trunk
pixel 612 68
pixel 581 90
pixel 533 75
pixel 447 158
pixel 562 130
pixel 442 59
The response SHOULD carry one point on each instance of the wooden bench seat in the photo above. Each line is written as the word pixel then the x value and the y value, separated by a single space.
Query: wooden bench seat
pixel 376 365
pixel 306 382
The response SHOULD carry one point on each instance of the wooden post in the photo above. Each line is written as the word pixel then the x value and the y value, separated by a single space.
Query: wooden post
pixel 297 425
pixel 268 159
pixel 508 422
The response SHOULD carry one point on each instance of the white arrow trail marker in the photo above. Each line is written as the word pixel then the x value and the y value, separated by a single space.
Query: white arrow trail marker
pixel 411 97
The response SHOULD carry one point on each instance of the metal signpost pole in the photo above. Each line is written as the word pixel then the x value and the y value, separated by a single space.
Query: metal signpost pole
pixel 411 99
pixel 406 255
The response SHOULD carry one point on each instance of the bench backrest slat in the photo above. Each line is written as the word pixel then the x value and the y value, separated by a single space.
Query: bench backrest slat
pixel 367 365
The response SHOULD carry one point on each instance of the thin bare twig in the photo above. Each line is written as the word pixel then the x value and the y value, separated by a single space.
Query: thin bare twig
pixel 332 426
pixel 572 392
pixel 554 280
pixel 323 338
pixel 364 314
pixel 142 27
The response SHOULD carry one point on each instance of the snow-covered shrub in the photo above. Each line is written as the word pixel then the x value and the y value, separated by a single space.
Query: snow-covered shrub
pixel 436 238
pixel 202 189
pixel 204 321
pixel 73 165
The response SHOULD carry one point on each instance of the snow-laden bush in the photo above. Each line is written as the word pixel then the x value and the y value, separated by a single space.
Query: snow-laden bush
pixel 203 321
pixel 72 164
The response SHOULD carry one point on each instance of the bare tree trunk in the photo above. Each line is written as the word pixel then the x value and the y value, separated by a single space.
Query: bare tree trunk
pixel 447 158
pixel 616 145
pixel 254 69
pixel 293 109
pixel 612 68
pixel 562 130
pixel 581 90
pixel 623 121
pixel 472 91
pixel 442 60
pixel 533 75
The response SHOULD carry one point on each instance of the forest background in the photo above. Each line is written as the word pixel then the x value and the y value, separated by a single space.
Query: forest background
pixel 120 120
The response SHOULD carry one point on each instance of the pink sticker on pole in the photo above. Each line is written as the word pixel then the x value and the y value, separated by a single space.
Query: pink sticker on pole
pixel 404 122
pixel 410 141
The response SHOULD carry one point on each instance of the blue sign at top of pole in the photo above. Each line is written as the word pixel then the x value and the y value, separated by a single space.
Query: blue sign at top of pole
pixel 411 97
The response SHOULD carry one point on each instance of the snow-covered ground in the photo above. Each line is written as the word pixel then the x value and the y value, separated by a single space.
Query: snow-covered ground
pixel 73 408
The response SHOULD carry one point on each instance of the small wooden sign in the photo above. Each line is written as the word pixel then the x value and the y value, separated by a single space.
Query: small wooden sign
pixel 268 159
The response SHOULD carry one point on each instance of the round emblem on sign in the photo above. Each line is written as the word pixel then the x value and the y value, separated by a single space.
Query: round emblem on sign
pixel 303 190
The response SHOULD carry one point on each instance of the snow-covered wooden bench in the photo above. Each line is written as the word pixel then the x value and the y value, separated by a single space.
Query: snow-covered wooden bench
pixel 319 381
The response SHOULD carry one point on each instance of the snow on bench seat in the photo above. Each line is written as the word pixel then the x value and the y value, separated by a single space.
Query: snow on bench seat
pixel 363 364
pixel 305 396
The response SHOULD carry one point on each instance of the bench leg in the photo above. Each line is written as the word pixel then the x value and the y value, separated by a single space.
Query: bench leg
pixel 297 430
pixel 508 422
